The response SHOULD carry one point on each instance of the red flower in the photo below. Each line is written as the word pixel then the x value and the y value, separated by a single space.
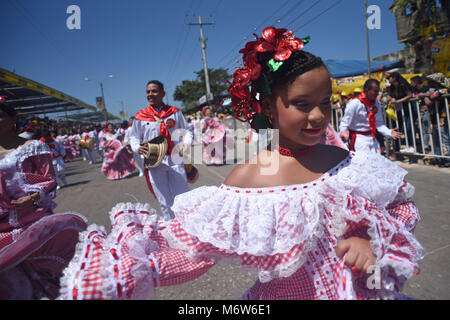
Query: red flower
pixel 280 41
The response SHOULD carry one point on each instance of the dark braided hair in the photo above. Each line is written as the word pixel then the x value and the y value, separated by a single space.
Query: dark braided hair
pixel 298 63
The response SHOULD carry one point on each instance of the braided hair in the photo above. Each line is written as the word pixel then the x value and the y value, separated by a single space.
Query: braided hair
pixel 299 63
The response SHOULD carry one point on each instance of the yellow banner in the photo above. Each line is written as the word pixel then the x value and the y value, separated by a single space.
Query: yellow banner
pixel 441 56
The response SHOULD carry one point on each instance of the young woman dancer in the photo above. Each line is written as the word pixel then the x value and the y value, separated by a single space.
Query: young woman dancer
pixel 311 229
pixel 35 243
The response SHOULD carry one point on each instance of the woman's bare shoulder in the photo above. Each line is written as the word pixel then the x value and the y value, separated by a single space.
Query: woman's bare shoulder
pixel 241 176
pixel 247 175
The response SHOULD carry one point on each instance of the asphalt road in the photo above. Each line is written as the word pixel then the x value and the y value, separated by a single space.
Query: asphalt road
pixel 91 194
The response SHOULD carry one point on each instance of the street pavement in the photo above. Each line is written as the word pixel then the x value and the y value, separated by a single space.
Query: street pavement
pixel 88 192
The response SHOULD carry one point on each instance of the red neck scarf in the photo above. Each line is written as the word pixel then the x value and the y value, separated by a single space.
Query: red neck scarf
pixel 372 112
pixel 150 114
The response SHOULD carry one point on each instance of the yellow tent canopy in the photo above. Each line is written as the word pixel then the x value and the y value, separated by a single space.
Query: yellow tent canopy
pixel 352 83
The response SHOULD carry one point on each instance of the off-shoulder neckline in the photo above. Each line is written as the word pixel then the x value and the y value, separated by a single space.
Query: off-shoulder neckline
pixel 293 187
pixel 23 146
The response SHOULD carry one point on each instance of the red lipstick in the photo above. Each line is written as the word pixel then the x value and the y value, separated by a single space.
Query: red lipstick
pixel 313 131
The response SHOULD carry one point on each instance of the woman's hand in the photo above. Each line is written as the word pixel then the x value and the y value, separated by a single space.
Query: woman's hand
pixel 358 253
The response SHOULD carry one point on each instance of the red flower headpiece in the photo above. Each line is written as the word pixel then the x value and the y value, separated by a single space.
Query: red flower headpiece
pixel 280 41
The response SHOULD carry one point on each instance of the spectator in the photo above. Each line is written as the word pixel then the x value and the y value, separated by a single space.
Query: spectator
pixel 399 93
pixel 420 91
pixel 439 85
pixel 344 98
pixel 357 92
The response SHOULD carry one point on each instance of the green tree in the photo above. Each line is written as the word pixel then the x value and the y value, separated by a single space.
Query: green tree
pixel 191 90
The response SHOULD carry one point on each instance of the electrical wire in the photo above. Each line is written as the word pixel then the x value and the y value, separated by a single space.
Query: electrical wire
pixel 320 14
pixel 240 42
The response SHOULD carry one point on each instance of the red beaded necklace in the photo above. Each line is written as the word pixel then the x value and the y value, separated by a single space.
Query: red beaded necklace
pixel 294 154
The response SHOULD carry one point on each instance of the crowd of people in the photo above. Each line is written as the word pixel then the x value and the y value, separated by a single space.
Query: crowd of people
pixel 311 229
pixel 418 109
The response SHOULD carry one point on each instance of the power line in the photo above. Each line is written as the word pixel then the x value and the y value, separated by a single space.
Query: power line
pixel 306 23
pixel 276 11
pixel 291 9
pixel 30 18
pixel 240 42
pixel 177 57
pixel 320 14
pixel 179 48
pixel 219 2
pixel 190 7
pixel 198 6
pixel 303 13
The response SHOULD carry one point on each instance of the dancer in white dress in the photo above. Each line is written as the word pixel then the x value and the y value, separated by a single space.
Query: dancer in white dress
pixel 311 230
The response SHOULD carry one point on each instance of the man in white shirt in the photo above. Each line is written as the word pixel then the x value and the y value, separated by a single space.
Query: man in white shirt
pixel 363 118
pixel 168 179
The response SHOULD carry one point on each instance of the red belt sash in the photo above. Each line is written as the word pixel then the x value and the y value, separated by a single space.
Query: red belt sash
pixel 353 137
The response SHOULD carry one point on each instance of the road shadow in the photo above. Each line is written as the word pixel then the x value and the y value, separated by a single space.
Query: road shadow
pixel 73 173
pixel 75 184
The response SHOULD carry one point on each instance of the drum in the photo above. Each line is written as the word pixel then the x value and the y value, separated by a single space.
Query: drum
pixel 84 143
pixel 157 149
pixel 87 143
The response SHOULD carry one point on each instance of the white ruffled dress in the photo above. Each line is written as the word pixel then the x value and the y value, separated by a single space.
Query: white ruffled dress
pixel 287 234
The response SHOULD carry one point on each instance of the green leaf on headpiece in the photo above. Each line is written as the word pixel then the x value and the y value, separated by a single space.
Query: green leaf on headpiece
pixel 306 39
pixel 274 65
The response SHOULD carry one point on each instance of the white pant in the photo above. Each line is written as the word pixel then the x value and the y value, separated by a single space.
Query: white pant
pixel 366 143
pixel 168 182
pixel 84 153
pixel 91 156
pixel 139 162
pixel 100 152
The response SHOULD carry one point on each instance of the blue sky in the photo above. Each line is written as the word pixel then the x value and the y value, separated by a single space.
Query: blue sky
pixel 137 41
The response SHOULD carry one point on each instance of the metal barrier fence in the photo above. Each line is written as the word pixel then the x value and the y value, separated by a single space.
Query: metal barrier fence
pixel 425 132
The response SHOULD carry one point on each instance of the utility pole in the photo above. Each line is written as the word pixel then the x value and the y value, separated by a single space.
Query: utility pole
pixel 105 113
pixel 205 64
pixel 367 38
